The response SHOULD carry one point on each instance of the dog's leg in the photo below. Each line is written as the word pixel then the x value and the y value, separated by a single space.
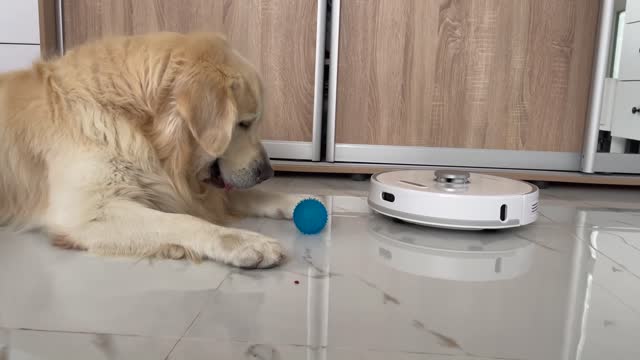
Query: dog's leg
pixel 126 228
pixel 258 203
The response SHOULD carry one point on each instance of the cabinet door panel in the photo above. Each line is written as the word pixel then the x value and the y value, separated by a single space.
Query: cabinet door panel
pixel 488 74
pixel 278 36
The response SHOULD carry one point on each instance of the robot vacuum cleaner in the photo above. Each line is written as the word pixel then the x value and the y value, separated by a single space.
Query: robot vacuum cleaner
pixel 454 199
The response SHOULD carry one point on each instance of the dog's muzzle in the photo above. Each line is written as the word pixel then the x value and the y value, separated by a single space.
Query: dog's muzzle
pixel 241 178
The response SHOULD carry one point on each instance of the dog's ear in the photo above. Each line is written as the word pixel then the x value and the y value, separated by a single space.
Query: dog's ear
pixel 209 109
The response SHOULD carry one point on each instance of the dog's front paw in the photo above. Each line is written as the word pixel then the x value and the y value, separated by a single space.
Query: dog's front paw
pixel 255 251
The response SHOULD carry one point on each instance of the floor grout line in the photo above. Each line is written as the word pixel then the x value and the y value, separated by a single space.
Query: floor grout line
pixel 616 296
pixel 608 257
pixel 206 300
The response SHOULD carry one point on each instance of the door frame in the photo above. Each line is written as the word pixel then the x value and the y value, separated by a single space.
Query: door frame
pixel 464 157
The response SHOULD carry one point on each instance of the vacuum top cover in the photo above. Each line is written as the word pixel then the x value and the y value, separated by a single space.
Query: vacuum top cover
pixel 453 181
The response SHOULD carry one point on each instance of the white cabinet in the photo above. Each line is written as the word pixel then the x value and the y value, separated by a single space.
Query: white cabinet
pixel 608 103
pixel 15 57
pixel 19 23
pixel 626 111
pixel 630 53
pixel 632 13
pixel 19 34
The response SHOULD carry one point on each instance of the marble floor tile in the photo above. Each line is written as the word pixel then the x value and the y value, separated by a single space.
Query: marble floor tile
pixel 47 288
pixel 199 349
pixel 373 284
pixel 367 287
pixel 317 184
pixel 45 345
pixel 595 195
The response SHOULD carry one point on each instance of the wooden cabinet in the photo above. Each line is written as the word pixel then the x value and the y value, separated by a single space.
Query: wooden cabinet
pixel 477 83
pixel 500 75
pixel 278 36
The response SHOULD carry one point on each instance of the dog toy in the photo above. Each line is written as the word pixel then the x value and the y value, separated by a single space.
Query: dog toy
pixel 310 216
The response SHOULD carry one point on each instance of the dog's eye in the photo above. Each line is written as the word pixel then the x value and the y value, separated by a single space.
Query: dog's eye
pixel 245 124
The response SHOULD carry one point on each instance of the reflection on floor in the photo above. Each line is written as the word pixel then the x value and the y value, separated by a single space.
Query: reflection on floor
pixel 567 287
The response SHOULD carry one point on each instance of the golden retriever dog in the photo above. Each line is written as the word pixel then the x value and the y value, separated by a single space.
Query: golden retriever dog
pixel 140 146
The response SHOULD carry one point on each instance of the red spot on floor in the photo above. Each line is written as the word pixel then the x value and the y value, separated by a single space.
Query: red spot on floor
pixel 296 282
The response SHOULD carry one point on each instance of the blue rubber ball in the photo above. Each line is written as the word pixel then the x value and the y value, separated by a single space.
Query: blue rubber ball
pixel 310 216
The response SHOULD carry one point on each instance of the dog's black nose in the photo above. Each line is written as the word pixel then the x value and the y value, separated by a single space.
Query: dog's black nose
pixel 265 172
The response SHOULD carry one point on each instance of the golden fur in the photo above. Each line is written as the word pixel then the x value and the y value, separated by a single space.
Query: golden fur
pixel 108 149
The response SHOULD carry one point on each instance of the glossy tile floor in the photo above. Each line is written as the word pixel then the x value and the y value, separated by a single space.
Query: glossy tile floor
pixel 567 287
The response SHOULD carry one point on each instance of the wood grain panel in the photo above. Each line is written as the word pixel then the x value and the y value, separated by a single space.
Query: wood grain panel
pixel 491 74
pixel 278 36
pixel 48 29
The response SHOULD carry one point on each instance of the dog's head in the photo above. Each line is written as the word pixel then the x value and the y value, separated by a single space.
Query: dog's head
pixel 219 98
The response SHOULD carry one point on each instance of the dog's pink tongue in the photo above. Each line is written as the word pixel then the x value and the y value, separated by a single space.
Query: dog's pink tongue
pixel 228 187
